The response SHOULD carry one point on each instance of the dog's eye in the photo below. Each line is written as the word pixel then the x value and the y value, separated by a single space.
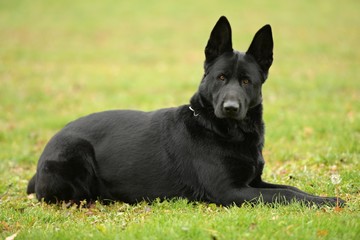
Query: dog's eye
pixel 221 77
pixel 245 81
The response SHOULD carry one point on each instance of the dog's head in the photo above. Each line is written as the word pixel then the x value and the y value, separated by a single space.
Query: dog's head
pixel 232 80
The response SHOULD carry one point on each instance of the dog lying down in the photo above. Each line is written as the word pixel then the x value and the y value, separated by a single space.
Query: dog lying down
pixel 209 150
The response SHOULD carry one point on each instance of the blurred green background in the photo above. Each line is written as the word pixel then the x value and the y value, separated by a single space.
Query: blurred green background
pixel 60 60
pixel 64 59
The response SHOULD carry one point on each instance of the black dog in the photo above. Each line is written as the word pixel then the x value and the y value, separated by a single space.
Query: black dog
pixel 210 150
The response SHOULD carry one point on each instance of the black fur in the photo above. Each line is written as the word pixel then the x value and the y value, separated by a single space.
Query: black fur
pixel 210 150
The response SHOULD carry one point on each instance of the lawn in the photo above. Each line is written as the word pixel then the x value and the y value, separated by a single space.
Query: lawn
pixel 60 60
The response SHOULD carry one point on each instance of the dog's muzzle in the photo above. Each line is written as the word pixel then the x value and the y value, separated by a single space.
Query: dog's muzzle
pixel 231 108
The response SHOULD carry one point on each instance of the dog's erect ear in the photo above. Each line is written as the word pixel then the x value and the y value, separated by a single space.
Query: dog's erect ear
pixel 220 40
pixel 261 48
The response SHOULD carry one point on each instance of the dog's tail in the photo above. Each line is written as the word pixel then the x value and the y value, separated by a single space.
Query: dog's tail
pixel 31 185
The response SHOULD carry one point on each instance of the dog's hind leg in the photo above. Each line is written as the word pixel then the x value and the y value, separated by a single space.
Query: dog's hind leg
pixel 66 171
pixel 31 186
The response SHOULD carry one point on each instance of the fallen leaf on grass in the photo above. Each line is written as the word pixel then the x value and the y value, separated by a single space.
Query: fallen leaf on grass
pixel 252 226
pixel 89 213
pixel 338 209
pixel 12 237
pixel 31 196
pixel 308 131
pixel 4 226
pixel 322 233
pixel 351 116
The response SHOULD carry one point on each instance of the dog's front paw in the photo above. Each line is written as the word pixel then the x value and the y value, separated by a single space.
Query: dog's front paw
pixel 340 202
pixel 334 202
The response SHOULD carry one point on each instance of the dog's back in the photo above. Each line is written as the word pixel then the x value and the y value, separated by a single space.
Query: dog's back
pixel 124 152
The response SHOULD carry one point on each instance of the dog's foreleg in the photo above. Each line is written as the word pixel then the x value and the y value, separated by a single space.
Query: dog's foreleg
pixel 259 183
pixel 262 184
pixel 274 195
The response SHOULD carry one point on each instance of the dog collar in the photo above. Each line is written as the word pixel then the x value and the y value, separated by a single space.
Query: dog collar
pixel 194 113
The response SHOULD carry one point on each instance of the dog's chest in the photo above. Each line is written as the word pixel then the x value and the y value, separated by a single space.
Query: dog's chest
pixel 241 166
pixel 241 159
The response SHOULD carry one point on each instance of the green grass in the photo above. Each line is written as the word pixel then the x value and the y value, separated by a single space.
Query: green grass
pixel 60 60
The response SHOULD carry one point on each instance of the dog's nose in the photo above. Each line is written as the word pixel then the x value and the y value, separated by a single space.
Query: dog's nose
pixel 231 107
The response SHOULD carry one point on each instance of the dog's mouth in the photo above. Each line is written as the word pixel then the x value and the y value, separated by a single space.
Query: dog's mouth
pixel 231 116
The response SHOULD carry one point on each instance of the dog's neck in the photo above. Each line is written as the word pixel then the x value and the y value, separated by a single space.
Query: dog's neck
pixel 203 113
